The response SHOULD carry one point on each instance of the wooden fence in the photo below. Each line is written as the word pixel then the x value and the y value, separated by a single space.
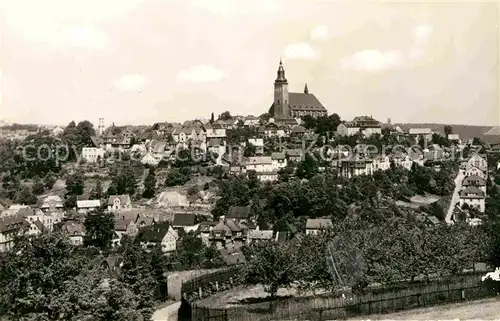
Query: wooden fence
pixel 208 281
pixel 385 299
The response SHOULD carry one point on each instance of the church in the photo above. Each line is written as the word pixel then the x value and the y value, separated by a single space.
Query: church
pixel 288 105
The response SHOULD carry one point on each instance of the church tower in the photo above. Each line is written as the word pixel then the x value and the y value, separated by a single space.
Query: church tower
pixel 281 101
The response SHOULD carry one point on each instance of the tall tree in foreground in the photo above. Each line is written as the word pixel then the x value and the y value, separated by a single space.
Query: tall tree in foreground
pixel 270 266
pixel 99 229
pixel 150 184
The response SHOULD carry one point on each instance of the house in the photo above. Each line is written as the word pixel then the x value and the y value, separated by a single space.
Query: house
pixel 474 181
pixel 191 133
pixel 36 228
pixel 294 155
pixel 48 219
pixel 257 236
pixel 381 162
pixel 75 231
pixel 224 123
pixel 159 234
pixel 356 166
pixel 228 233
pixel 478 162
pixel 204 231
pixel 86 206
pixel 123 227
pixel 278 160
pixel 158 149
pixel 298 131
pixel 317 225
pixel 232 256
pixel 475 171
pixel 473 197
pixel 217 146
pixel 185 221
pixel 92 154
pixel 56 131
pixel 10 227
pixel 251 121
pixel 404 160
pixel 216 133
pixel 454 138
pixel 241 213
pixel 150 159
pixel 260 164
pixel 418 133
pixel 258 143
pixel 119 202
pixel 143 221
pixel 51 203
pixel 271 129
pixel 365 125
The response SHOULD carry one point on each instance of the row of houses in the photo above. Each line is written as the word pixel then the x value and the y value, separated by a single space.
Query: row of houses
pixel 473 186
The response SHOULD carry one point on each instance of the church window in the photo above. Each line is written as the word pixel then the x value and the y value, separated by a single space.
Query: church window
pixel 278 101
pixel 286 101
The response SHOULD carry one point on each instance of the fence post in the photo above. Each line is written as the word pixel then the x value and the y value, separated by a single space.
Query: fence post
pixel 217 286
pixel 200 292
pixel 370 307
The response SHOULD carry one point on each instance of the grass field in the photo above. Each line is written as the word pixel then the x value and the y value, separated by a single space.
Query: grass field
pixel 478 310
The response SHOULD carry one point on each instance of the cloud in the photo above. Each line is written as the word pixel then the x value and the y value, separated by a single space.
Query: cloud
pixel 131 82
pixel 320 33
pixel 373 60
pixel 200 74
pixel 63 23
pixel 421 34
pixel 300 51
pixel 228 7
pixel 86 37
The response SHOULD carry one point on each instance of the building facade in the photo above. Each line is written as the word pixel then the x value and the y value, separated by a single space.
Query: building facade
pixel 293 105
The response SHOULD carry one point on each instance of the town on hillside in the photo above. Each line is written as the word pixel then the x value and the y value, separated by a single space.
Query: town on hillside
pixel 96 220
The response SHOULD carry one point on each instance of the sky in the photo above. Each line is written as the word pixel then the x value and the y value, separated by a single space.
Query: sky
pixel 146 61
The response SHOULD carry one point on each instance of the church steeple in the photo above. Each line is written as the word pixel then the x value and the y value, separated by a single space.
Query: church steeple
pixel 306 90
pixel 281 73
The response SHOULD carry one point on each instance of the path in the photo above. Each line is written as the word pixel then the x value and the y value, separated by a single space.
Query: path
pixel 478 310
pixel 168 313
pixel 455 198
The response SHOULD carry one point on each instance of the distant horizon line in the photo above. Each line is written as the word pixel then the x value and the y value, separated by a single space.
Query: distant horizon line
pixel 7 122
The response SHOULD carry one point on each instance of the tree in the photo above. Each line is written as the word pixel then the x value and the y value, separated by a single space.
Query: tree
pixel 75 184
pixel 70 201
pixel 150 184
pixel 225 116
pixel 49 180
pixel 270 266
pixel 175 177
pixel 25 196
pixel 250 150
pixel 124 182
pixel 38 186
pixel 97 192
pixel 308 167
pixel 448 130
pixel 99 229
pixel 46 278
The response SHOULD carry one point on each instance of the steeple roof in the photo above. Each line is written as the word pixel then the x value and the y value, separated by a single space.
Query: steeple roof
pixel 281 73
